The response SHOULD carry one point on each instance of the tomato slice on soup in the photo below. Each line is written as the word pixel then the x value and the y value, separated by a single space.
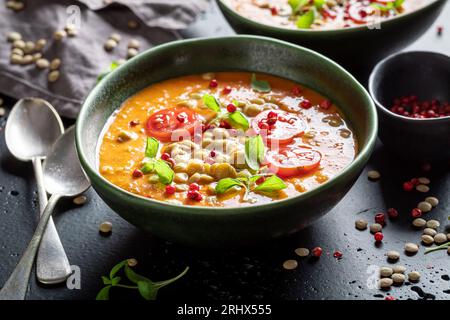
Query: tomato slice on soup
pixel 278 126
pixel 360 13
pixel 293 161
pixel 162 124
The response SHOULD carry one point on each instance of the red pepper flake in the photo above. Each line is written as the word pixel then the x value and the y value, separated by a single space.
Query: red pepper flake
pixel 260 180
pixel 337 254
pixel 317 252
pixel 390 298
pixel 408 186
pixel 271 121
pixel 305 104
pixel 181 117
pixel 137 173
pixel 231 108
pixel 416 213
pixel 212 154
pixel 380 218
pixel 410 106
pixel 378 236
pixel 392 213
pixel 272 114
pixel 296 91
pixel 274 11
pixel 194 195
pixel 226 90
pixel 165 156
pixel 134 123
pixel 325 104
pixel 263 125
pixel 224 124
pixel 170 189
pixel 194 187
pixel 439 30
pixel 213 83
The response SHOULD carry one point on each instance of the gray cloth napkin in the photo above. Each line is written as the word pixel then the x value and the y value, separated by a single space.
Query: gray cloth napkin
pixel 83 57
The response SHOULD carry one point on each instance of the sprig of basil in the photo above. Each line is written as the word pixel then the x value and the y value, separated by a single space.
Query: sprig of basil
pixel 152 147
pixel 227 183
pixel 271 184
pixel 238 120
pixel 296 5
pixel 254 152
pixel 211 102
pixel 260 85
pixel 160 167
pixel 305 20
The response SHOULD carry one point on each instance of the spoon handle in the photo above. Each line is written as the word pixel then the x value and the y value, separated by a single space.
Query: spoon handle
pixel 16 286
pixel 52 265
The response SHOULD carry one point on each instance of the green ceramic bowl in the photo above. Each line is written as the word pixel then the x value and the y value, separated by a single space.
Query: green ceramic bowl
pixel 202 226
pixel 356 48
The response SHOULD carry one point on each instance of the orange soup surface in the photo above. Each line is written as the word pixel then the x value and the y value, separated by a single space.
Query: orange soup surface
pixel 225 139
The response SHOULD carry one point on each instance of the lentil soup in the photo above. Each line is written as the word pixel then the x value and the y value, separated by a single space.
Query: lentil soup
pixel 225 139
pixel 322 14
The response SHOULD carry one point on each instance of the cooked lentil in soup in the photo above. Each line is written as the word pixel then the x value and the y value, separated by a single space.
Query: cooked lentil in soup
pixel 225 139
pixel 322 14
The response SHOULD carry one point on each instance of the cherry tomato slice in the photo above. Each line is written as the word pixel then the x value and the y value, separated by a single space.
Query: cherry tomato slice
pixel 162 124
pixel 292 161
pixel 360 13
pixel 278 126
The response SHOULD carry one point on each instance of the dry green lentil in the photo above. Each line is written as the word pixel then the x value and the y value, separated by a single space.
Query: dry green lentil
pixel 27 59
pixel 105 227
pixel 386 272
pixel 59 35
pixel 55 64
pixel 53 76
pixel 290 264
pixel 399 269
pixel 131 52
pixel 426 239
pixel 375 227
pixel 373 175
pixel 2 111
pixel 398 278
pixel 42 63
pixel 132 262
pixel 13 36
pixel 432 200
pixel 414 276
pixel 422 188
pixel 385 283
pixel 393 255
pixel 17 51
pixel 429 232
pixel 80 200
pixel 29 47
pixel 19 44
pixel 37 56
pixel 40 44
pixel 116 37
pixel 302 252
pixel 424 180
pixel 361 224
pixel 419 223
pixel 16 59
pixel 411 247
pixel 110 44
pixel 440 238
pixel 433 224
pixel 424 206
pixel 134 43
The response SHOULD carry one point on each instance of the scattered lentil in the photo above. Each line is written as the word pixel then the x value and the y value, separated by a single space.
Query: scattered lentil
pixel 424 206
pixel 2 111
pixel 132 262
pixel 399 269
pixel 19 44
pixel 419 222
pixel 440 238
pixel 40 44
pixel 426 239
pixel 290 264
pixel 131 52
pixel 373 175
pixel 13 36
pixel 386 272
pixel 429 232
pixel 432 200
pixel 42 63
pixel 424 180
pixel 53 76
pixel 361 224
pixel 116 37
pixel 422 188
pixel 433 224
pixel 414 276
pixel 55 64
pixel 302 252
pixel 134 43
pixel 375 227
pixel 385 283
pixel 105 227
pixel 110 44
pixel 80 200
pixel 27 59
pixel 398 278
pixel 411 247
pixel 393 255
pixel 59 35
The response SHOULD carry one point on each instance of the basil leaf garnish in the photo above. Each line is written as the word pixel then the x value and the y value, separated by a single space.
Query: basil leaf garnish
pixel 225 184
pixel 238 120
pixel 211 102
pixel 306 20
pixel 296 5
pixel 254 152
pixel 164 171
pixel 271 184
pixel 260 85
pixel 151 148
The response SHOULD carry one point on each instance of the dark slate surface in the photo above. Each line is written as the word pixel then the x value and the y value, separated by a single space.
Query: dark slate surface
pixel 248 272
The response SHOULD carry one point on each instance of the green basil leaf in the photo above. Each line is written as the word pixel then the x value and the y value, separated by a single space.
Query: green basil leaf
pixel 398 3
pixel 134 277
pixel 117 268
pixel 254 152
pixel 225 184
pixel 211 102
pixel 106 280
pixel 306 20
pixel 148 166
pixel 260 85
pixel 319 3
pixel 238 120
pixel 164 172
pixel 115 281
pixel 152 147
pixel 103 294
pixel 147 290
pixel 271 184
pixel 296 5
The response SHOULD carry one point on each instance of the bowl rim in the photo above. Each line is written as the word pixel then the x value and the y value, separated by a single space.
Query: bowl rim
pixel 361 157
pixel 385 110
pixel 326 32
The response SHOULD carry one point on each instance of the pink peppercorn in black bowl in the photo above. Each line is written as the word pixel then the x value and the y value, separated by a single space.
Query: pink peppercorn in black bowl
pixel 406 87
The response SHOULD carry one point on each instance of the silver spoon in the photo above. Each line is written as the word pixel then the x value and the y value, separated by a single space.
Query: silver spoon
pixel 32 128
pixel 63 177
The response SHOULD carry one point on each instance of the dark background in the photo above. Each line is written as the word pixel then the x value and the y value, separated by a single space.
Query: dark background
pixel 246 273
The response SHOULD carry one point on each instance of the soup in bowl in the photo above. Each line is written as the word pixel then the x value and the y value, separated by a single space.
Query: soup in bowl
pixel 225 140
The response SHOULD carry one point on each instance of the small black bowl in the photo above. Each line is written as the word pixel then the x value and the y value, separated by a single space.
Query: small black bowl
pixel 426 75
